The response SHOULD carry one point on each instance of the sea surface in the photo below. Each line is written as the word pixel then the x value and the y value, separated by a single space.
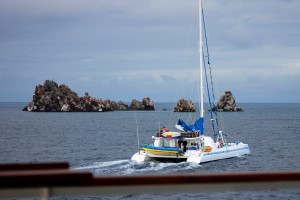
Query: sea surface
pixel 104 142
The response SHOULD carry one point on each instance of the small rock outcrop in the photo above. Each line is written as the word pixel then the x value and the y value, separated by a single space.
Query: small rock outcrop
pixel 119 105
pixel 185 106
pixel 227 103
pixel 52 97
pixel 146 104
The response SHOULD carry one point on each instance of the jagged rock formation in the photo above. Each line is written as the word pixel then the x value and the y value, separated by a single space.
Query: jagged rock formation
pixel 53 98
pixel 227 103
pixel 120 105
pixel 185 106
pixel 146 104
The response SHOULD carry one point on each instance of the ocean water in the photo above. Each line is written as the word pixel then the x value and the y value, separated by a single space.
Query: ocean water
pixel 103 143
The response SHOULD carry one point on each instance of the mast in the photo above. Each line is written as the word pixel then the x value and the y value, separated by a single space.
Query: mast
pixel 201 60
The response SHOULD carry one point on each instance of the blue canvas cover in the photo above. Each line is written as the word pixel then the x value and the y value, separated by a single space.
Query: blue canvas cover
pixel 196 127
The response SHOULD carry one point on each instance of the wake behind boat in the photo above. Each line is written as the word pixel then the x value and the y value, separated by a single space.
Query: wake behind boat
pixel 189 143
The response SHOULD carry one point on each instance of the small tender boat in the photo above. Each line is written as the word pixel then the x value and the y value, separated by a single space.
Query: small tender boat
pixel 190 144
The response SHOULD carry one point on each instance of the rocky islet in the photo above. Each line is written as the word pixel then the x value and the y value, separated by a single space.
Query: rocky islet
pixel 51 97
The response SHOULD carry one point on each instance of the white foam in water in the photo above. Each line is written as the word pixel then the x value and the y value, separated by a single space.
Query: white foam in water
pixel 96 165
pixel 163 168
pixel 127 167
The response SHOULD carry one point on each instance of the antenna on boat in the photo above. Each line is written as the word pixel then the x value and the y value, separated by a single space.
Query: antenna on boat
pixel 137 132
pixel 137 135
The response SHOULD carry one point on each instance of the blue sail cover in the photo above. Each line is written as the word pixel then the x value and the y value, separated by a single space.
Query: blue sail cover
pixel 196 127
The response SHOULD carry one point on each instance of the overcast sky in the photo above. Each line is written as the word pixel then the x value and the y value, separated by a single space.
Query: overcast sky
pixel 125 49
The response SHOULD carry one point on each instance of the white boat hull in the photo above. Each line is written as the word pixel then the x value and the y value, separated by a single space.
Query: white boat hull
pixel 220 153
pixel 140 156
pixel 198 156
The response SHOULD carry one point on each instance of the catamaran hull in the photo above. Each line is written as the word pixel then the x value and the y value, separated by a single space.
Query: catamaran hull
pixel 196 156
pixel 141 156
pixel 219 154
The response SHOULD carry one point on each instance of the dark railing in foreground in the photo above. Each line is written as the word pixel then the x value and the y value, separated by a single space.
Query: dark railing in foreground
pixel 56 179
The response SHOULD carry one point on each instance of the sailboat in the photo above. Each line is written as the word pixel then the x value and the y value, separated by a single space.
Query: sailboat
pixel 190 143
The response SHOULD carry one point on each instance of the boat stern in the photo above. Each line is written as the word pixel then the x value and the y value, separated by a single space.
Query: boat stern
pixel 244 149
pixel 140 156
pixel 194 157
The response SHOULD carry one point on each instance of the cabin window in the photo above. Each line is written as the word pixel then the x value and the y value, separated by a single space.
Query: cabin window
pixel 166 143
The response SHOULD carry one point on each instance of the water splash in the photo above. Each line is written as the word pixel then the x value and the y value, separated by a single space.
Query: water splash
pixel 128 167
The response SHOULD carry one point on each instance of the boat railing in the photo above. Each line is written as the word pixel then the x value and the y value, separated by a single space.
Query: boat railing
pixel 188 135
pixel 47 180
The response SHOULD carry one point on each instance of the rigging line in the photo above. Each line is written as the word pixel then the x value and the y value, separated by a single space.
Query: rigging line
pixel 173 115
pixel 208 90
pixel 219 114
pixel 208 62
pixel 214 100
pixel 208 94
pixel 205 35
pixel 181 89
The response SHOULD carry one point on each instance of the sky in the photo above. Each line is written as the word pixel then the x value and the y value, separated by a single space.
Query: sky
pixel 125 49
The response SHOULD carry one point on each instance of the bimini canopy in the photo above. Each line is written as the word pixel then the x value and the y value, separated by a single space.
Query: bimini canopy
pixel 196 127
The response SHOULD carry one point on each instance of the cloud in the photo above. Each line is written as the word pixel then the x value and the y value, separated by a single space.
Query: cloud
pixel 119 49
pixel 253 23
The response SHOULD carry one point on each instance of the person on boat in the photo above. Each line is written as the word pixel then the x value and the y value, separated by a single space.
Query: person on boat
pixel 221 144
pixel 184 143
pixel 195 134
pixel 180 140
pixel 198 145
pixel 161 131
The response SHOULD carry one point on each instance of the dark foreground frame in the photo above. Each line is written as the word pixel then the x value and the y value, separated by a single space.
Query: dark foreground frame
pixel 56 179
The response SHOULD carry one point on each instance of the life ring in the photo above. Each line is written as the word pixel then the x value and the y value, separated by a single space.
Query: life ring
pixel 171 134
pixel 196 134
